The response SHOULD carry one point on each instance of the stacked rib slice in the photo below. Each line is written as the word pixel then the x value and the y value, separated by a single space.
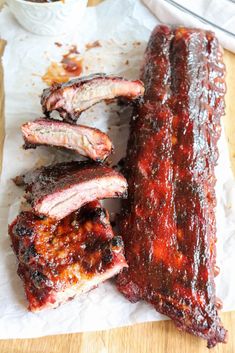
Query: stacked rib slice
pixel 168 220
pixel 84 140
pixel 64 243
pixel 56 191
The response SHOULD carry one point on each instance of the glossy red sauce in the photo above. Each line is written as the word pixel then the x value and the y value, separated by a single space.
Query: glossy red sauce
pixel 168 222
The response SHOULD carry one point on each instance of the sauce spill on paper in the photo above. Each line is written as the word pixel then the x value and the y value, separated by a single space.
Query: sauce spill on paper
pixel 70 66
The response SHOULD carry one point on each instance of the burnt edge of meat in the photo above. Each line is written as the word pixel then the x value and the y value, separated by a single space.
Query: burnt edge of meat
pixel 46 175
pixel 50 172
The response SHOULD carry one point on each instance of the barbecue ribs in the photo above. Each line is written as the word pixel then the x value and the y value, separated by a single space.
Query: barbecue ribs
pixel 168 221
pixel 61 259
pixel 70 99
pixel 57 190
pixel 86 141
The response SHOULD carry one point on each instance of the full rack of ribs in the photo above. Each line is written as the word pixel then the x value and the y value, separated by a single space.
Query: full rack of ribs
pixel 57 190
pixel 168 220
pixel 70 99
pixel 86 141
pixel 61 259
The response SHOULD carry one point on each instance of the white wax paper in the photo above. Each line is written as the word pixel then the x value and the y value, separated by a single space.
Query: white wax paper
pixel 123 28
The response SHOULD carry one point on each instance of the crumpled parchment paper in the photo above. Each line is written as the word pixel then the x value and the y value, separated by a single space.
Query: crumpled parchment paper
pixel 123 32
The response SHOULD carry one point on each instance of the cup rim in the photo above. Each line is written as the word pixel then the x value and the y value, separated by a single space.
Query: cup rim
pixel 40 4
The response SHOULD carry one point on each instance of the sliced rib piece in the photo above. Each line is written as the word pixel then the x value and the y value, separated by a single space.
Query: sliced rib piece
pixel 70 99
pixel 87 141
pixel 60 189
pixel 61 259
pixel 168 221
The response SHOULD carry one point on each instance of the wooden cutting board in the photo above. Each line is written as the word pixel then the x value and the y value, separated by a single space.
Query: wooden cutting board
pixel 156 337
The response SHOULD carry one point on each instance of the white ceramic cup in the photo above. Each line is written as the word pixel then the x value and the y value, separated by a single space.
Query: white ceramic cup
pixel 48 18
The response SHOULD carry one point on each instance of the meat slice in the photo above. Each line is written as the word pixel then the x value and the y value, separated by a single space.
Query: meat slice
pixel 70 99
pixel 86 141
pixel 168 221
pixel 61 259
pixel 60 189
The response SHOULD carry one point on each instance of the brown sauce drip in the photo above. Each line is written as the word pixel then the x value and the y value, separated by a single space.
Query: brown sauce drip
pixel 70 66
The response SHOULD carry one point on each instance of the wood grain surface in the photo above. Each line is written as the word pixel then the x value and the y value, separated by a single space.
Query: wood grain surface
pixel 156 337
